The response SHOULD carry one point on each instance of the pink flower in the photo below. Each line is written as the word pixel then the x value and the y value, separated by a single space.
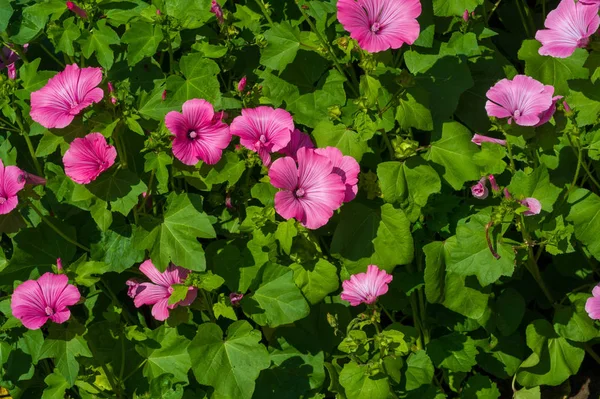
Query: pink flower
pixel 465 16
pixel 507 193
pixel 228 202
pixel 59 265
pixel 242 84
pixel 235 298
pixel 215 8
pixel 88 157
pixel 480 190
pixel 31 179
pixel 198 134
pixel 36 301
pixel 310 192
pixel 478 139
pixel 535 207
pixel 495 187
pixel 570 26
pixel 76 9
pixel 523 99
pixel 263 130
pixel 366 287
pixel 346 167
pixel 592 305
pixel 545 116
pixel 158 12
pixel 158 292
pixel 567 108
pixel 163 96
pixel 591 2
pixel 378 25
pixel 8 59
pixel 298 140
pixel 11 182
pixel 134 287
pixel 66 95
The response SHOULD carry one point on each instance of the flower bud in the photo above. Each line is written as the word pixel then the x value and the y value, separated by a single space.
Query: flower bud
pixel 216 9
pixel 242 84
pixel 235 298
pixel 480 190
pixel 77 10
pixel 465 16
pixel 164 95
pixel 495 187
pixel 59 265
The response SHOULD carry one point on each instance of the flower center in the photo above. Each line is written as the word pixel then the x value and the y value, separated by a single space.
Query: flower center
pixel 375 27
pixel 2 200
pixel 583 42
pixel 262 138
pixel 171 289
pixel 300 193
pixel 49 311
pixel 517 114
pixel 192 134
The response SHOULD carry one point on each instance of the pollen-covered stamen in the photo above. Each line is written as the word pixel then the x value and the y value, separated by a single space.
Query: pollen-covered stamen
pixel 300 193
pixel 49 311
pixel 262 138
pixel 2 200
pixel 517 114
pixel 192 134
pixel 375 27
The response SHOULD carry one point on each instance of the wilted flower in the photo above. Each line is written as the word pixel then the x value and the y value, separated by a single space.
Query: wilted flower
pixel 11 182
pixel 535 207
pixel 36 301
pixel 8 61
pixel 235 298
pixel 480 190
pixel 216 9
pixel 366 287
pixel 88 157
pixel 478 139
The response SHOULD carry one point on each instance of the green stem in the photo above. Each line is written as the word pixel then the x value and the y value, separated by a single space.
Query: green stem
pixel 510 154
pixel 29 146
pixel 417 319
pixel 590 351
pixel 532 265
pixel 208 301
pixel 120 146
pixel 583 164
pixel 544 10
pixel 389 315
pixel 149 192
pixel 388 144
pixel 264 11
pixel 579 162
pixel 134 370
pixel 108 291
pixel 492 11
pixel 523 20
pixel 62 65
pixel 56 229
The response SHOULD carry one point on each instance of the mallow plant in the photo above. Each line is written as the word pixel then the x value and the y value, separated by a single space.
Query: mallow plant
pixel 299 198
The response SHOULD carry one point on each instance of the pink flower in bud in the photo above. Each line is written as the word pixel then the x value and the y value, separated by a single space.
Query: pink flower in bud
pixel 157 11
pixel 59 264
pixel 77 10
pixel 12 71
pixel 535 207
pixel 164 95
pixel 216 9
pixel 493 183
pixel 567 108
pixel 480 190
pixel 235 298
pixel 465 16
pixel 228 203
pixel 110 87
pixel 242 84
pixel 479 138
pixel 113 100
pixel 31 179
pixel 507 194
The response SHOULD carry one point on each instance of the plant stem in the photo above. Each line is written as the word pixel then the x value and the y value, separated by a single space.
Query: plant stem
pixel 62 65
pixel 417 319
pixel 149 192
pixel 29 145
pixel 135 370
pixel 388 144
pixel 510 154
pixel 532 265
pixel 523 20
pixel 56 229
pixel 590 351
pixel 264 11
pixel 208 301
pixel 579 162
pixel 585 166
pixel 492 11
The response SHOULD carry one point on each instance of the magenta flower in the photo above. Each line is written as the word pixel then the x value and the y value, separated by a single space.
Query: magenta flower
pixel 77 10
pixel 495 187
pixel 465 16
pixel 547 115
pixel 36 301
pixel 11 182
pixel 242 84
pixel 535 207
pixel 235 298
pixel 378 25
pixel 592 305
pixel 133 287
pixel 480 190
pixel 59 265
pixel 366 287
pixel 346 167
pixel 569 26
pixel 216 9
pixel 199 133
pixel 88 157
pixel 158 292
pixel 8 58
pixel 567 108
pixel 310 192
pixel 65 96
pixel 478 139
pixel 523 99
pixel 31 179
pixel 298 140
pixel 591 2
pixel 263 130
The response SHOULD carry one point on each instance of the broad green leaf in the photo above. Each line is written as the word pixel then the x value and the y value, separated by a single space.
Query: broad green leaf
pixel 142 39
pixel 585 216
pixel 510 309
pixel 465 298
pixel 6 12
pixel 286 231
pixel 247 19
pixel 102 216
pixel 585 98
pixel 435 271
pixel 230 366
pixel 99 41
pixel 64 344
pixel 490 159
pixel 572 322
pixel 348 141
pixel 64 37
pixel 454 8
pixel 369 89
pixel 208 281
pixel 228 170
pixel 200 81
pixel 278 300
pixel 88 273
pixel 480 387
pixel 453 153
pixel 358 384
pixel 158 162
pixel 56 386
pixel 532 393
pixel 167 354
pixel 122 189
pixel 413 110
pixel 554 359
pixel 551 70
pixel 191 14
pixel 454 352
pixel 32 78
pixel 419 370
pixel 504 358
pixel 537 185
pixel 116 247
pixel 393 244
pixel 316 279
pixel 173 239
pixel 31 343
pixel 283 42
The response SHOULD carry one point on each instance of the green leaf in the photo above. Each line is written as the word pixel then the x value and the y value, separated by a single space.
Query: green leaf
pixel 200 81
pixel 585 214
pixel 453 153
pixel 247 19
pixel 537 185
pixel 464 297
pixel 64 344
pixel 413 110
pixel 278 300
pixel 524 393
pixel 393 244
pixel 550 70
pixel 102 216
pixel 32 78
pixel 358 384
pixel 173 239
pixel 179 293
pixel 116 247
pixel 554 359
pixel 283 42
pixel 6 12
pixel 64 38
pixel 469 254
pixel 285 233
pixel 230 366
pixel 504 358
pixel 167 354
pixel 480 387
pixel 316 279
pixel 86 272
pixel 191 14
pixel 435 271
pixel 455 352
pixel 222 308
pixel 209 281
pixel 490 159
pixel 229 169
pixel 419 370
pixel 510 309
pixel 99 41
pixel 452 8
pixel 572 322
pixel 585 98
pixel 142 40
pixel 348 141
pixel 56 386
pixel 158 163
pixel 121 189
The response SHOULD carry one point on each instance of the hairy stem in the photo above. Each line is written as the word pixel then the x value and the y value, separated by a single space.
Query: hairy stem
pixel 264 11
